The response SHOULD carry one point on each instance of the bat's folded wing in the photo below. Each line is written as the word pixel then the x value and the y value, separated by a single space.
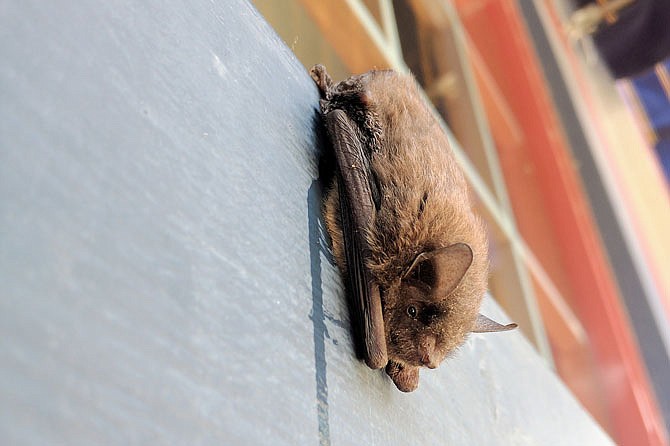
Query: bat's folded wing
pixel 357 213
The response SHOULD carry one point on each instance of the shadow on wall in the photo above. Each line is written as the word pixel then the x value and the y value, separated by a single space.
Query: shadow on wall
pixel 319 244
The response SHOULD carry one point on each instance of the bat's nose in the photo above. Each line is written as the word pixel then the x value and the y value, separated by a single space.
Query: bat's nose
pixel 427 352
pixel 428 362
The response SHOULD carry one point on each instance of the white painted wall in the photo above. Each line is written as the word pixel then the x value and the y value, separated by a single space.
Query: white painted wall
pixel 163 274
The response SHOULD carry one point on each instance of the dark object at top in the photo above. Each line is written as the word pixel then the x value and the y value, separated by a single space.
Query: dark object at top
pixel 637 40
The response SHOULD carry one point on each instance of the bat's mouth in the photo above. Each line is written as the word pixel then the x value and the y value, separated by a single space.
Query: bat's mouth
pixel 428 363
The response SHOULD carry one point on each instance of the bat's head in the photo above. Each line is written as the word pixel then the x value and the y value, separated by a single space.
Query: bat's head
pixel 436 305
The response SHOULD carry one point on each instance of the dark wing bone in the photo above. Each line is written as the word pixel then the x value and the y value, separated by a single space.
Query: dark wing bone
pixel 357 211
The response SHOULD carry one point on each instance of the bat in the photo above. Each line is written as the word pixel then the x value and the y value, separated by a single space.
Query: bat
pixel 413 253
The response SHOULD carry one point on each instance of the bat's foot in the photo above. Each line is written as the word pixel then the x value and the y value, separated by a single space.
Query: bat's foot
pixel 405 378
pixel 322 79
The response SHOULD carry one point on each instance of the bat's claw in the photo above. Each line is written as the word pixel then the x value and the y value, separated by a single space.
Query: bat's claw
pixel 322 79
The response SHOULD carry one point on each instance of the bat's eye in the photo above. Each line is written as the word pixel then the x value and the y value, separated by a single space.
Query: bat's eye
pixel 411 311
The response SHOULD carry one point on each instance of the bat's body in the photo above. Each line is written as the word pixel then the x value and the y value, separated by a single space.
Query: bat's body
pixel 401 224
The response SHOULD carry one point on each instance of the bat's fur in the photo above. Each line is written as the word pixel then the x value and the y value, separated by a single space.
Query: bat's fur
pixel 424 206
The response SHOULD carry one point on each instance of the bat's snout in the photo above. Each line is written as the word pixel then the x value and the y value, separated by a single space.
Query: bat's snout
pixel 428 355
pixel 427 361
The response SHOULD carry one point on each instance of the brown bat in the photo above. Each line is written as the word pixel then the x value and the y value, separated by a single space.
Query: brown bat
pixel 413 253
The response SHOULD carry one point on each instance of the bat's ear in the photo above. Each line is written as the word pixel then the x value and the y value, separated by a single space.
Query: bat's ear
pixel 442 269
pixel 486 325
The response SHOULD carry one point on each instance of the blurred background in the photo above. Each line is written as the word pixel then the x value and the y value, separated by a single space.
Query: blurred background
pixel 561 110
